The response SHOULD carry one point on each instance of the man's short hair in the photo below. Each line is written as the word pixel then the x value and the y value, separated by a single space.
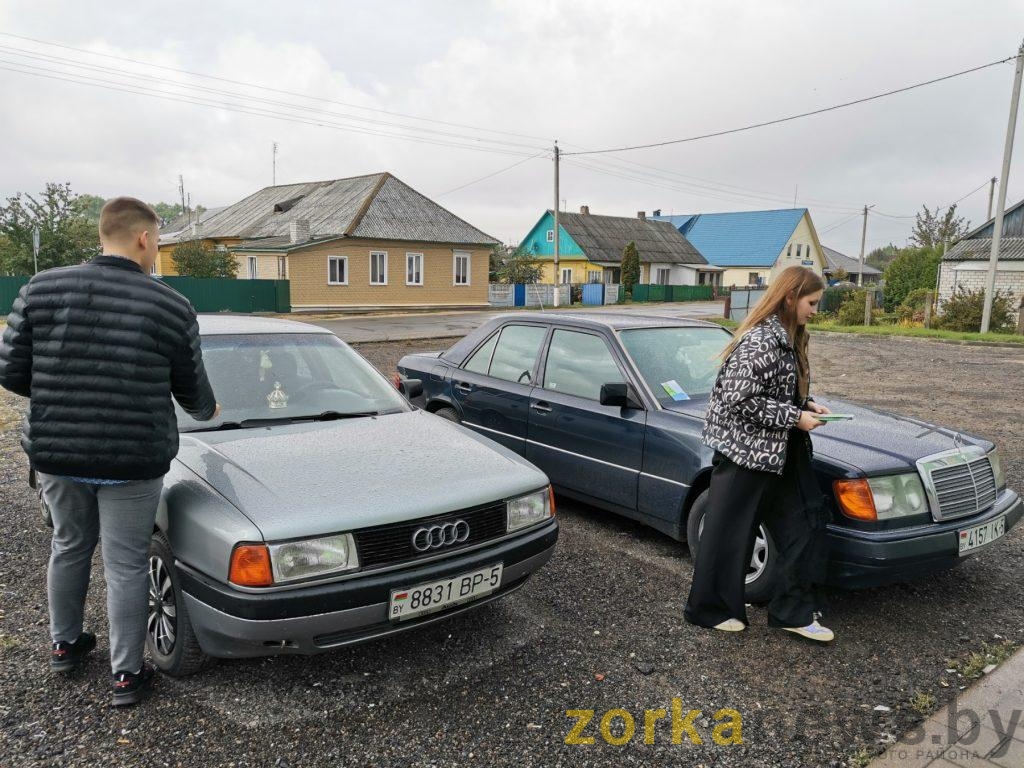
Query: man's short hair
pixel 125 216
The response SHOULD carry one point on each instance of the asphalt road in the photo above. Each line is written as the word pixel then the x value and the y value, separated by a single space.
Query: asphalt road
pixel 599 628
pixel 364 328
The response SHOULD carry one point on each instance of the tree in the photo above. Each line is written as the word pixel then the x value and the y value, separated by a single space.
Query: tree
pixel 519 268
pixel 913 268
pixel 91 205
pixel 931 230
pixel 630 268
pixel 170 211
pixel 65 235
pixel 196 258
pixel 841 275
pixel 879 258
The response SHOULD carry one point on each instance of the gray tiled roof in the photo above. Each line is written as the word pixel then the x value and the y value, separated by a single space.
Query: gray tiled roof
pixel 980 249
pixel 178 228
pixel 377 206
pixel 603 238
pixel 838 260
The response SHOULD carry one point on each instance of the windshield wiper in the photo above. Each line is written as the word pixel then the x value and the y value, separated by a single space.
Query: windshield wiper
pixel 269 422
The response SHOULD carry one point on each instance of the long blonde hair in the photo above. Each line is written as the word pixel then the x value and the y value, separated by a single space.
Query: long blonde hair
pixel 791 283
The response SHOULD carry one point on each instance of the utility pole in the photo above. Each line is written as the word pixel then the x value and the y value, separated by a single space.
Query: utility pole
pixel 997 231
pixel 35 249
pixel 863 238
pixel 273 177
pixel 557 200
pixel 991 192
pixel 181 190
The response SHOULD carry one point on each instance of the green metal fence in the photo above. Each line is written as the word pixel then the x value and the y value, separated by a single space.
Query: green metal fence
pixel 669 293
pixel 206 294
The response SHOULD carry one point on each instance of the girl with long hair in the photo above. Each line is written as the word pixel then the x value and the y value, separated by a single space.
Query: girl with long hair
pixel 758 422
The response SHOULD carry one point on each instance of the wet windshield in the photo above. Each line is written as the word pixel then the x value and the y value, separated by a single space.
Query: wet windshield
pixel 287 376
pixel 677 363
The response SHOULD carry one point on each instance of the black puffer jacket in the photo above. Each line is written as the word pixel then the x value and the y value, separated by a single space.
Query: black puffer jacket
pixel 751 410
pixel 99 349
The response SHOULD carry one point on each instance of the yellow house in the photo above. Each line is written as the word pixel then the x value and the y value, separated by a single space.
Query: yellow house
pixel 357 243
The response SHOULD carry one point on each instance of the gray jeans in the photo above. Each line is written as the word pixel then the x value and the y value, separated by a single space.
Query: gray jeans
pixel 122 515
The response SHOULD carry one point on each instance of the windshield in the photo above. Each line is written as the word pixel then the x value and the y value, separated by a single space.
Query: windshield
pixel 677 363
pixel 285 376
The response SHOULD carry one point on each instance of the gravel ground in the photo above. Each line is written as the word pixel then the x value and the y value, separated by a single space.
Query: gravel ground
pixel 599 628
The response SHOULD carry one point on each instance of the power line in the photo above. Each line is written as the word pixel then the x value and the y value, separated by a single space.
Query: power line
pixel 268 88
pixel 793 117
pixel 490 175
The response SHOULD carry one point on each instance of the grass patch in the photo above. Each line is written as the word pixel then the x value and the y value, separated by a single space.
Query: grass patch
pixel 8 643
pixel 923 703
pixel 917 333
pixel 861 758
pixel 974 665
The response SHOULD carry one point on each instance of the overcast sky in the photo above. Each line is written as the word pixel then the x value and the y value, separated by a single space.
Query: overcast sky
pixel 593 74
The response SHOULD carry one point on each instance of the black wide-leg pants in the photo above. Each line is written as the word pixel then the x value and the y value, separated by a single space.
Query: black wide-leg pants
pixel 792 508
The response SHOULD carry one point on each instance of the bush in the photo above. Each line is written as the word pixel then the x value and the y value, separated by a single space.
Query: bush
pixel 963 310
pixel 913 268
pixel 196 258
pixel 575 294
pixel 851 311
pixel 911 310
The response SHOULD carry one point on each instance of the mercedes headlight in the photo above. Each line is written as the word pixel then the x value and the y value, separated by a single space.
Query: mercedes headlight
pixel 530 509
pixel 898 496
pixel 305 558
pixel 997 469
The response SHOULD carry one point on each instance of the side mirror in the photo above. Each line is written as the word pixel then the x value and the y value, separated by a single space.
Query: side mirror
pixel 410 387
pixel 620 394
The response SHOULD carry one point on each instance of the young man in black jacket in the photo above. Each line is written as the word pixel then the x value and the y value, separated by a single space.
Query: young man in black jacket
pixel 99 349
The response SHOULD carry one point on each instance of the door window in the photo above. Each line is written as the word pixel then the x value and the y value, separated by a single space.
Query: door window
pixel 481 359
pixel 578 364
pixel 516 352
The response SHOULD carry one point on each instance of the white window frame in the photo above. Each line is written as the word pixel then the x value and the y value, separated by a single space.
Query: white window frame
pixel 667 273
pixel 252 267
pixel 789 251
pixel 564 271
pixel 282 267
pixel 551 235
pixel 385 273
pixel 799 247
pixel 341 260
pixel 419 256
pixel 593 276
pixel 468 256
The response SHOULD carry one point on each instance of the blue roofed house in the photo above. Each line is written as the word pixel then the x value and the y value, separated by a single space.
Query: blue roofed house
pixel 753 246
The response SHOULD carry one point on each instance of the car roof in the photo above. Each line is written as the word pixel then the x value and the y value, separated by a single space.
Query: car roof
pixel 223 324
pixel 614 320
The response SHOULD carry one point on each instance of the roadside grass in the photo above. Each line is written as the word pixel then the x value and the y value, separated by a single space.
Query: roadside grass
pixel 861 758
pixel 973 666
pixel 917 333
pixel 923 702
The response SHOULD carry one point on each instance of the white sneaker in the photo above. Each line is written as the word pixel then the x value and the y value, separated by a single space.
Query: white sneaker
pixel 731 625
pixel 813 631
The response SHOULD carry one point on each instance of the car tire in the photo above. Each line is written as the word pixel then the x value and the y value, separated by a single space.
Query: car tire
pixel 448 413
pixel 763 571
pixel 169 635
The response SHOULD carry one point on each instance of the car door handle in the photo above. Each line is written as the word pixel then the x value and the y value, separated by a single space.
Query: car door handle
pixel 463 387
pixel 541 407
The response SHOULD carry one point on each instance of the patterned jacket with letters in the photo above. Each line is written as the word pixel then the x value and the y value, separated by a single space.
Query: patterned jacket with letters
pixel 751 410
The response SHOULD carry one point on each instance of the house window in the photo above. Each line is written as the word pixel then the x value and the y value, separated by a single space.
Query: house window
pixel 789 250
pixel 414 269
pixel 337 270
pixel 252 267
pixel 378 267
pixel 152 270
pixel 551 235
pixel 567 276
pixel 701 277
pixel 752 278
pixel 663 276
pixel 798 249
pixel 594 276
pixel 461 268
pixel 282 267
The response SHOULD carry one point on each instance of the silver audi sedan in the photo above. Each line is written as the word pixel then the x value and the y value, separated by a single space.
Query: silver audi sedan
pixel 321 509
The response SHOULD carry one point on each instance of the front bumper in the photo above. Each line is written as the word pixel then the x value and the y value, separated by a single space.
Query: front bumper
pixel 309 620
pixel 874 558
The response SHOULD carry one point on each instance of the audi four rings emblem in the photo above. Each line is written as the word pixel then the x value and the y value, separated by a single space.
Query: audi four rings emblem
pixel 437 536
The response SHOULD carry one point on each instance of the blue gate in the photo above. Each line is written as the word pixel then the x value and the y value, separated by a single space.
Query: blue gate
pixel 519 295
pixel 593 294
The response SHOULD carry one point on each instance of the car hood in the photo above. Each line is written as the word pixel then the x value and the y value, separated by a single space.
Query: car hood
pixel 316 478
pixel 874 441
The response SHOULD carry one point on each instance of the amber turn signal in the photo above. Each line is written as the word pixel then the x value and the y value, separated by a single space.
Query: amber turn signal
pixel 551 499
pixel 250 566
pixel 855 499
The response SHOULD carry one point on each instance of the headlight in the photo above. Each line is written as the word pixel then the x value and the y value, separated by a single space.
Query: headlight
pixel 527 510
pixel 898 496
pixel 997 469
pixel 313 557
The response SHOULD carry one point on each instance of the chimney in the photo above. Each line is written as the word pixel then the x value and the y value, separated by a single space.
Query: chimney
pixel 585 210
pixel 656 213
pixel 642 215
pixel 197 229
pixel 298 230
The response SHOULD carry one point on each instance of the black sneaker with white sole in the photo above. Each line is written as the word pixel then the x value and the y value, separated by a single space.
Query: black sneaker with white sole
pixel 130 687
pixel 65 655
